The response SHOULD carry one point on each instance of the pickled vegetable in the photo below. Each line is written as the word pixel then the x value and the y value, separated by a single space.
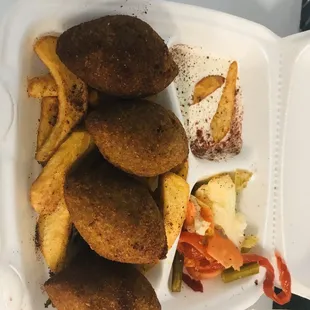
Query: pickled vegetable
pixel 177 272
pixel 230 274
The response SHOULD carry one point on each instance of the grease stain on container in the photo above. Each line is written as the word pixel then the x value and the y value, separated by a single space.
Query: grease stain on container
pixel 11 288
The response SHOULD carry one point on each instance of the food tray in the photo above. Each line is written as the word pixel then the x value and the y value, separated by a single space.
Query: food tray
pixel 271 72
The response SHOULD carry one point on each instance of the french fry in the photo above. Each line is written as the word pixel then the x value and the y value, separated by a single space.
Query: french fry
pixel 206 87
pixel 45 86
pixel 42 86
pixel 46 190
pixel 72 96
pixel 222 120
pixel 174 195
pixel 54 232
pixel 48 118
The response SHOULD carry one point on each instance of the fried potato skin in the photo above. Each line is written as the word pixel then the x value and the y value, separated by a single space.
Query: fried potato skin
pixel 46 190
pixel 139 137
pixel 48 118
pixel 72 96
pixel 42 86
pixel 115 215
pixel 95 283
pixel 174 193
pixel 53 236
pixel 118 55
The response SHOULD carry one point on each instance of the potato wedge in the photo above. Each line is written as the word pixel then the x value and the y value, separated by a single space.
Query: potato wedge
pixel 48 118
pixel 45 192
pixel 222 120
pixel 241 179
pixel 174 195
pixel 45 86
pixel 72 96
pixel 42 86
pixel 181 170
pixel 206 86
pixel 54 232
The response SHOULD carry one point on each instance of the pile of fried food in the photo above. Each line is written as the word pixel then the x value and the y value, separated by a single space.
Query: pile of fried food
pixel 114 175
pixel 114 164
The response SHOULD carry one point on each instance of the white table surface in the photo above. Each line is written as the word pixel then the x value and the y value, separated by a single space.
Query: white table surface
pixel 281 16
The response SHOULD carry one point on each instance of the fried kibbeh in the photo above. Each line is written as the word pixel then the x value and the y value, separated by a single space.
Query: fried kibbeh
pixel 139 137
pixel 92 282
pixel 119 55
pixel 115 214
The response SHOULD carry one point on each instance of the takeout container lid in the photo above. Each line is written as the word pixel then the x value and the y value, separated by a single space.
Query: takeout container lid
pixel 273 77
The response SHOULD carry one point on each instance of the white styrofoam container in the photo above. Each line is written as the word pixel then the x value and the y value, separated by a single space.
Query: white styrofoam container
pixel 273 75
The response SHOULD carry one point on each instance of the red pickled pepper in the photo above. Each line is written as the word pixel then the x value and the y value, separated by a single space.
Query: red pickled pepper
pixel 285 278
pixel 198 243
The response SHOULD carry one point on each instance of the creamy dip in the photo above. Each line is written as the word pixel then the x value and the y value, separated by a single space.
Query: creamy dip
pixel 194 64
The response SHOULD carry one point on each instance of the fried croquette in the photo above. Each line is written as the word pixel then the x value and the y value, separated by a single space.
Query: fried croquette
pixel 139 137
pixel 115 214
pixel 94 283
pixel 119 55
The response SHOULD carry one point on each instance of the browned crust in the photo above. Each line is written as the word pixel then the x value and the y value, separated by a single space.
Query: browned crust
pixel 94 283
pixel 116 215
pixel 139 137
pixel 118 55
